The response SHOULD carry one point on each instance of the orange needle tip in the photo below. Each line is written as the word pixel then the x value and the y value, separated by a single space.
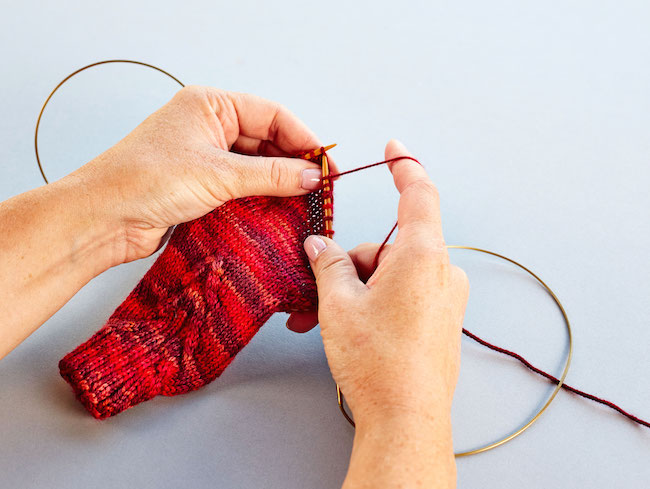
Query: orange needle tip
pixel 317 152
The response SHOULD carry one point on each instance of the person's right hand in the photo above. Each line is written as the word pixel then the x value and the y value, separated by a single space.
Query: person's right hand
pixel 392 339
pixel 392 335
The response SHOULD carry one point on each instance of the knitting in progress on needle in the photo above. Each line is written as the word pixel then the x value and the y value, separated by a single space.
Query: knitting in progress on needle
pixel 192 313
pixel 245 210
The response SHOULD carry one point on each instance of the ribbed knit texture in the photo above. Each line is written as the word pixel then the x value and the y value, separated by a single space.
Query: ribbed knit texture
pixel 216 283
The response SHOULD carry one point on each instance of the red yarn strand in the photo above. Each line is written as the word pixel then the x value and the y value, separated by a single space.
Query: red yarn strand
pixel 489 345
pixel 375 262
pixel 137 353
pixel 390 160
pixel 555 380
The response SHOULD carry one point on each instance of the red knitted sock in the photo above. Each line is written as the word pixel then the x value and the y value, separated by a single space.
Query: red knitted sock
pixel 217 282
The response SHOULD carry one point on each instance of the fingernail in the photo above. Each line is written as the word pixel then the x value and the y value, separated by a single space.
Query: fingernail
pixel 311 179
pixel 314 246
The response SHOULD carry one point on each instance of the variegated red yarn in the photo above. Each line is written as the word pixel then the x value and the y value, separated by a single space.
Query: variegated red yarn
pixel 219 279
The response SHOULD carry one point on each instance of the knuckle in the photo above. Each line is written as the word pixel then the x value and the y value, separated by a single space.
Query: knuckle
pixel 278 173
pixel 226 171
pixel 428 256
pixel 424 202
pixel 330 263
pixel 422 244
pixel 278 110
pixel 424 188
pixel 191 92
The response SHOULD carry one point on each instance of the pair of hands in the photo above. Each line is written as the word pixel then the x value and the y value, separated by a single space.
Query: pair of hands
pixel 391 335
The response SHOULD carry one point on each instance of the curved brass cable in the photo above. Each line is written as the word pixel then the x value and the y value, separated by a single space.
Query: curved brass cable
pixel 47 100
pixel 340 398
pixel 548 402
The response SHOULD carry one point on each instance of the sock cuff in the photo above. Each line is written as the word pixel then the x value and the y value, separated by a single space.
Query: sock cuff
pixel 116 369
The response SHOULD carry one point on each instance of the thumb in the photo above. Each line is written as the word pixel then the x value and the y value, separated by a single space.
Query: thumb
pixel 332 266
pixel 273 176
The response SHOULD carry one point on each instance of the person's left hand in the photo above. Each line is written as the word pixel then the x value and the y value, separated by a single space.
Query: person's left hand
pixel 176 166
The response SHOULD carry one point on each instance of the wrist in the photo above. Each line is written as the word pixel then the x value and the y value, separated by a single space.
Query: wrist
pixel 415 423
pixel 120 214
pixel 402 450
pixel 422 397
pixel 96 234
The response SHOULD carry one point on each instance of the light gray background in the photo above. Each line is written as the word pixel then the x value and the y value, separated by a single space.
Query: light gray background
pixel 533 119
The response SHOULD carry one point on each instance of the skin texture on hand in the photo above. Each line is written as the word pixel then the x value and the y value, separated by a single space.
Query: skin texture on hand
pixel 174 167
pixel 392 339
pixel 391 335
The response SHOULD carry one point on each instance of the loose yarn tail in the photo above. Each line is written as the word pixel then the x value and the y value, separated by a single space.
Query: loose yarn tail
pixel 555 380
pixel 390 160
pixel 487 344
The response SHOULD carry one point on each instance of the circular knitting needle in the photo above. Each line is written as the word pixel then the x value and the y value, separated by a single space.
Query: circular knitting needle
pixel 47 100
pixel 328 228
pixel 327 197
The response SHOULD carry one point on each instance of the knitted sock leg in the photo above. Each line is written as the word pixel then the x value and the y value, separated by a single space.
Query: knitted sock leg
pixel 216 283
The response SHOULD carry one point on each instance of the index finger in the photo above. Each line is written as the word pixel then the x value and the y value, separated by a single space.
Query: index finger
pixel 419 204
pixel 270 121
